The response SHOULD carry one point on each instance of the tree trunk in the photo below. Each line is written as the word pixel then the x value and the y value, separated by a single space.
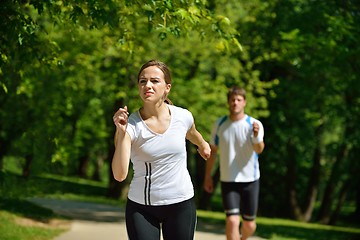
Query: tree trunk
pixel 313 188
pixel 341 200
pixel 2 154
pixel 314 181
pixel 3 150
pixel 357 203
pixel 27 166
pixel 97 171
pixel 83 165
pixel 326 203
pixel 291 181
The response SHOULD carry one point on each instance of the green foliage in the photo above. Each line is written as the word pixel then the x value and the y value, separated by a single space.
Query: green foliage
pixel 66 66
pixel 309 108
pixel 81 57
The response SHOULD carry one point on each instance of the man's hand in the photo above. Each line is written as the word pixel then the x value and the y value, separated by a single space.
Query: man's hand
pixel 255 128
pixel 208 184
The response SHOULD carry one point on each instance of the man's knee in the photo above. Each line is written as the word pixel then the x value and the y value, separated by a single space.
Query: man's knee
pixel 233 220
pixel 250 226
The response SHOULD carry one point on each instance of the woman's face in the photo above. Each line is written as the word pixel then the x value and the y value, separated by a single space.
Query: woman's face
pixel 152 85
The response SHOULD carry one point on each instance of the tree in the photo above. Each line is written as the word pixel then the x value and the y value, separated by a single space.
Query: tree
pixel 305 45
pixel 35 48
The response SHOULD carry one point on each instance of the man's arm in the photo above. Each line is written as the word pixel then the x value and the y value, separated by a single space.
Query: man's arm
pixel 258 144
pixel 259 147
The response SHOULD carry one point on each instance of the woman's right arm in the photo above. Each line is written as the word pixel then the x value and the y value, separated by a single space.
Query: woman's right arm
pixel 121 158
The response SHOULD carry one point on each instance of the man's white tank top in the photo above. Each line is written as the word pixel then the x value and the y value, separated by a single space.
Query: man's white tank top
pixel 159 161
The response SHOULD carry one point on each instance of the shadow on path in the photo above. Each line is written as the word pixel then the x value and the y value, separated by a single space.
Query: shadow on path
pixel 77 210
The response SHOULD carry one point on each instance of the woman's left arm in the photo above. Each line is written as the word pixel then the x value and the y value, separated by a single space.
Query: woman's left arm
pixel 196 138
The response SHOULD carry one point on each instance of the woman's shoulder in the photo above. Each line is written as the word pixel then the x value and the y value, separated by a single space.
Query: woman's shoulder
pixel 178 109
pixel 181 113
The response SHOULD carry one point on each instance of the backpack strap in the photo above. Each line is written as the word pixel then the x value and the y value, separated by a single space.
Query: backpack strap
pixel 248 120
pixel 222 120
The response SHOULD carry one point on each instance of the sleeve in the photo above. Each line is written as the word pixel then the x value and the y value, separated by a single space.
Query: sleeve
pixel 189 119
pixel 183 115
pixel 214 139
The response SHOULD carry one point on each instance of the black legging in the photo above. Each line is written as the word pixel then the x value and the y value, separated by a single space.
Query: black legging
pixel 177 221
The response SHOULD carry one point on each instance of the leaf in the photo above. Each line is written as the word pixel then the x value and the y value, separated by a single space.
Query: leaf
pixel 182 13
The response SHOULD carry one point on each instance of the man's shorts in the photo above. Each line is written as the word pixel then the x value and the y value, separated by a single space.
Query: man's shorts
pixel 241 198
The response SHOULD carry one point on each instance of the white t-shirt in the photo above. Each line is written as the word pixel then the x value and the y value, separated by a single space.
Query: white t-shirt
pixel 234 139
pixel 160 176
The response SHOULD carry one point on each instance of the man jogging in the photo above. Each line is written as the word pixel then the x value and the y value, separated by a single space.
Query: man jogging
pixel 239 140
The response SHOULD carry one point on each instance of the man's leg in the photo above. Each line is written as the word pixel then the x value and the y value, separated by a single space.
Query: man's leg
pixel 247 229
pixel 231 202
pixel 249 201
pixel 232 227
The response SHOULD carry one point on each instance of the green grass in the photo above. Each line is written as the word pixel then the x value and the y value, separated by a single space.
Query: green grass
pixel 38 228
pixel 12 231
pixel 282 229
pixel 14 190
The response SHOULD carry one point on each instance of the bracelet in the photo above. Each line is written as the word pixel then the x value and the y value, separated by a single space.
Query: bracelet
pixel 256 140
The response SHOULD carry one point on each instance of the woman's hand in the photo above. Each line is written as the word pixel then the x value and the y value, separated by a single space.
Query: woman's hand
pixel 196 138
pixel 204 150
pixel 120 119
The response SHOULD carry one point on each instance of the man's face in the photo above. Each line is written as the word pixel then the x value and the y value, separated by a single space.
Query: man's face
pixel 237 104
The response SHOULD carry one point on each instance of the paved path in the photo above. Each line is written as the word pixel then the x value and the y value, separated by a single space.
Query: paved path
pixel 98 221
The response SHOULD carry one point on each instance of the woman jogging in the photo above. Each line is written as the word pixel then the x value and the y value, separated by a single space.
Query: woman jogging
pixel 160 197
